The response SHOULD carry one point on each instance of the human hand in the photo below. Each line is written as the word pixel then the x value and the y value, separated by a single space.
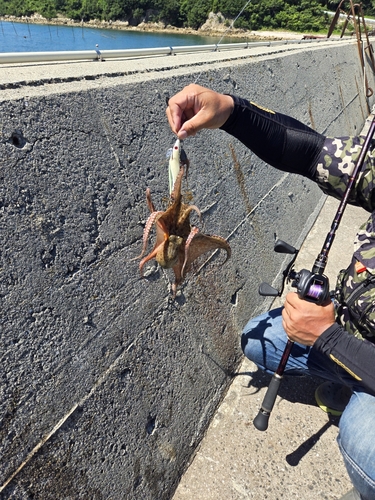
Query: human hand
pixel 195 108
pixel 305 321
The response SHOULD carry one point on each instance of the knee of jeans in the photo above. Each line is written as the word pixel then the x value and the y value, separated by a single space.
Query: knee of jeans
pixel 248 346
pixel 249 334
pixel 346 438
pixel 357 426
pixel 243 342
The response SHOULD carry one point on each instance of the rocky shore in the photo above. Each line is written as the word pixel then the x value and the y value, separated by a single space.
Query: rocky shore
pixel 212 27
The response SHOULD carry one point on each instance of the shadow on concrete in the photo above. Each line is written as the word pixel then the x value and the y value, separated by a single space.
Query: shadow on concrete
pixel 295 389
pixel 296 456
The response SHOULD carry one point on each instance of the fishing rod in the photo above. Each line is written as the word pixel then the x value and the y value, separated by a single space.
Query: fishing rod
pixel 312 286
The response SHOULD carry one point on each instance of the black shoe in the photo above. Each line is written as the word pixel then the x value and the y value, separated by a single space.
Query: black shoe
pixel 332 397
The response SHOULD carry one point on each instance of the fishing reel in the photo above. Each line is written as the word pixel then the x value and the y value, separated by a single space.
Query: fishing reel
pixel 311 286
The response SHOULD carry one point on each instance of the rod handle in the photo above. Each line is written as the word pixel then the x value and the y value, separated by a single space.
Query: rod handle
pixel 261 420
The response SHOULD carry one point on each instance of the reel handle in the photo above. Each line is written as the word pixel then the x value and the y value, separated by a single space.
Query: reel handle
pixel 267 290
pixel 261 420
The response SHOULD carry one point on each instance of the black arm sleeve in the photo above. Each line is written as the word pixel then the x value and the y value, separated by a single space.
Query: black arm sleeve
pixel 277 139
pixel 355 355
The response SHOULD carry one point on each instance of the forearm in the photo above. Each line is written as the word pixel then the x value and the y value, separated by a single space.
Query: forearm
pixel 279 140
pixel 356 356
pixel 291 146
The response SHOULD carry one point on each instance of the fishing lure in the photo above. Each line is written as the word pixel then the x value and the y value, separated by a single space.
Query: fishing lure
pixel 177 157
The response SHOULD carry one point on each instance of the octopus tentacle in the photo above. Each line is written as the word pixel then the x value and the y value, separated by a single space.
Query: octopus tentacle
pixel 225 246
pixel 202 243
pixel 176 192
pixel 178 278
pixel 194 231
pixel 150 221
pixel 149 256
pixel 187 210
pixel 149 200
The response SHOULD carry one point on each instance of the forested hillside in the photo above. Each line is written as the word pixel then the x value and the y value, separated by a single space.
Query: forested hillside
pixel 294 15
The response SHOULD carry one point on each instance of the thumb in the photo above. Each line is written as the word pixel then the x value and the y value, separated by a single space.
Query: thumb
pixel 190 127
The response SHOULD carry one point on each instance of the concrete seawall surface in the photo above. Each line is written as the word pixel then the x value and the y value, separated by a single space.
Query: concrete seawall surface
pixel 107 384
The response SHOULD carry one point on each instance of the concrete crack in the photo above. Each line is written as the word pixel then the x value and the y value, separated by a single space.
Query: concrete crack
pixel 62 421
pixel 243 220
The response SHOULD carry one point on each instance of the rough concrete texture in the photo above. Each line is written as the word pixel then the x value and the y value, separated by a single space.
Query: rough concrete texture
pixel 107 386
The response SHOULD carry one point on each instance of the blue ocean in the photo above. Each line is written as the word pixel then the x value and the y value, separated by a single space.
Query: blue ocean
pixel 28 37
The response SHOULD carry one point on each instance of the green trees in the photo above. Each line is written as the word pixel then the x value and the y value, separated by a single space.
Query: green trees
pixel 169 11
pixel 294 15
pixel 47 8
pixel 195 12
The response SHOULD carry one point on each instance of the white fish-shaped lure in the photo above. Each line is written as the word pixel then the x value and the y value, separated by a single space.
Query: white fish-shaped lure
pixel 177 157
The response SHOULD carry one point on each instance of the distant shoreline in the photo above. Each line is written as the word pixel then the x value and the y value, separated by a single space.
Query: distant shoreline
pixel 218 30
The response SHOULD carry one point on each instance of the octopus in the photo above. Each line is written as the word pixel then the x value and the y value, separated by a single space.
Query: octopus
pixel 178 243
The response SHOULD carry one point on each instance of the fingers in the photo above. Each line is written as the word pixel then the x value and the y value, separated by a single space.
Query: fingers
pixel 182 110
pixel 305 321
pixel 285 319
pixel 175 116
pixel 195 108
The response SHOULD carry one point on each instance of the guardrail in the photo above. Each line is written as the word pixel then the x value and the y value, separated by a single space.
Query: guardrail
pixel 102 55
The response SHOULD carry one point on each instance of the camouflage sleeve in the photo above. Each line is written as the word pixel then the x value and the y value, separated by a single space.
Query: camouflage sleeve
pixel 335 165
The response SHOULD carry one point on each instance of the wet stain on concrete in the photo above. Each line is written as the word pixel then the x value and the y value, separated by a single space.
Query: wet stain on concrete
pixel 240 179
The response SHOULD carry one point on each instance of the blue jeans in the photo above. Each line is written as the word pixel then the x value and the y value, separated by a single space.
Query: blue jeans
pixel 263 342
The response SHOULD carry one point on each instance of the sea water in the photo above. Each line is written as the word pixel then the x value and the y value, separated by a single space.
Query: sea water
pixel 28 37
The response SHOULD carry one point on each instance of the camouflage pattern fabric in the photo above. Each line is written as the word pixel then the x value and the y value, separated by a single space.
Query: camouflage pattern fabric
pixel 355 288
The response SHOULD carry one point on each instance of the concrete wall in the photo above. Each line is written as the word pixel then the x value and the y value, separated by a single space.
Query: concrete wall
pixel 107 385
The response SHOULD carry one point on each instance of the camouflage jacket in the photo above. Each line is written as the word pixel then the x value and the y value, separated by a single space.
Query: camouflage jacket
pixel 355 288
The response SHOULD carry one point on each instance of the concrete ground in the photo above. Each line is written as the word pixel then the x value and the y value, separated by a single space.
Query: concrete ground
pixel 297 457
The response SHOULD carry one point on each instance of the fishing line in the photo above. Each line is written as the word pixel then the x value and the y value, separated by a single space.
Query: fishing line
pixel 225 32
pixel 235 19
pixel 14 28
pixel 173 175
pixel 121 160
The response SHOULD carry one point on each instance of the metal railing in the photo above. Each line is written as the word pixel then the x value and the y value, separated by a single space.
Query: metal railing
pixel 102 55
